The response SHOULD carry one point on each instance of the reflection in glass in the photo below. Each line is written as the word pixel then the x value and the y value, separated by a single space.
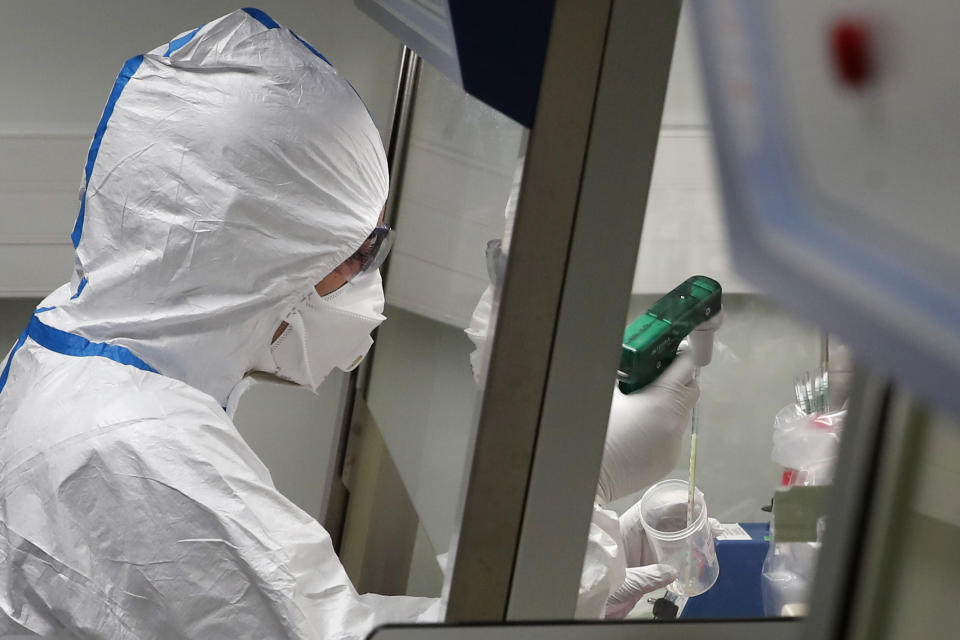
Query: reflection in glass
pixel 423 395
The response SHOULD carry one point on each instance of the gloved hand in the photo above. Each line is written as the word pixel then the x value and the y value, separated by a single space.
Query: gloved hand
pixel 646 429
pixel 639 582
pixel 636 550
pixel 643 573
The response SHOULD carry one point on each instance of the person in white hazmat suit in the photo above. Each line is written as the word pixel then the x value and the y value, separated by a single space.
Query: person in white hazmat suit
pixel 228 223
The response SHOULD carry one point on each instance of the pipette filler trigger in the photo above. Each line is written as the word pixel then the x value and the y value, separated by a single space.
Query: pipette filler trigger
pixel 651 341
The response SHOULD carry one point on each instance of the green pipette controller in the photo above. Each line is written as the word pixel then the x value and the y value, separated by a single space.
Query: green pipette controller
pixel 650 343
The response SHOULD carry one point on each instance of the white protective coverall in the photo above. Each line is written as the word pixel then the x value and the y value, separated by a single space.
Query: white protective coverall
pixel 232 169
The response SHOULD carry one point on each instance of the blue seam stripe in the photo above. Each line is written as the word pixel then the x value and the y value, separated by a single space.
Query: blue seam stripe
pixel 13 352
pixel 80 288
pixel 261 17
pixel 322 57
pixel 70 344
pixel 361 100
pixel 176 43
pixel 126 73
pixel 310 46
pixel 270 23
pixel 42 309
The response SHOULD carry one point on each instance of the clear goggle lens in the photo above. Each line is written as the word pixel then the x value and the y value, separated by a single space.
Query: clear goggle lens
pixel 371 254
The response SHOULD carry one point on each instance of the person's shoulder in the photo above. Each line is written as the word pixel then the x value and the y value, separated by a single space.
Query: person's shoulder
pixel 59 397
pixel 96 386
pixel 156 398
pixel 167 429
pixel 169 416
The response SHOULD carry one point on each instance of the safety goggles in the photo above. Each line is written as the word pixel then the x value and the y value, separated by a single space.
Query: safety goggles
pixel 371 254
pixel 496 261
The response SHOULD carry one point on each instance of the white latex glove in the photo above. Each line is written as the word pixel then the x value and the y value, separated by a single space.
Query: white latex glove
pixel 636 549
pixel 646 429
pixel 643 574
pixel 715 527
pixel 639 582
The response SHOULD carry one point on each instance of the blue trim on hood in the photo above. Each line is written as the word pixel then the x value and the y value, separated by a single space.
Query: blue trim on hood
pixel 324 58
pixel 315 52
pixel 129 68
pixel 261 17
pixel 80 288
pixel 70 344
pixel 13 352
pixel 270 23
pixel 176 43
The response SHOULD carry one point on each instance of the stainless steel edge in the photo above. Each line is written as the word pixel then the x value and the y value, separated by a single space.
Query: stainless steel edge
pixel 528 312
pixel 335 501
pixel 679 630
pixel 885 534
pixel 595 297
pixel 406 93
pixel 848 510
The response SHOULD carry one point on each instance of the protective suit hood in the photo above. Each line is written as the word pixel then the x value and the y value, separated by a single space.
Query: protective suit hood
pixel 232 169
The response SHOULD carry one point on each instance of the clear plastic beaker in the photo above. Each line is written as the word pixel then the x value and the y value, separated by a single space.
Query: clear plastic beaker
pixel 688 549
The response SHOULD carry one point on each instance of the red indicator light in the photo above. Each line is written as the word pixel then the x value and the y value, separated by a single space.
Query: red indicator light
pixel 851 51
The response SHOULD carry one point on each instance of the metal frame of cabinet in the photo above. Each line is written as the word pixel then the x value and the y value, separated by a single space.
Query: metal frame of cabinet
pixel 542 425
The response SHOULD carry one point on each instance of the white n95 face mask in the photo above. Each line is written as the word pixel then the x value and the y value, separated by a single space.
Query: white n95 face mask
pixel 328 332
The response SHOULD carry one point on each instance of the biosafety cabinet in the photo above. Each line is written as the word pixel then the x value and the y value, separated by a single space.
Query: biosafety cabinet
pixel 567 163
pixel 556 167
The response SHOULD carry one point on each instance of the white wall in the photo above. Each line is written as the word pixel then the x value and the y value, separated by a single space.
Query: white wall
pixel 459 169
pixel 14 315
pixel 58 62
pixel 59 59
pixel 684 106
pixel 684 230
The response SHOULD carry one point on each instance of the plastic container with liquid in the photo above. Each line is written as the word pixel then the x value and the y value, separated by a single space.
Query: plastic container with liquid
pixel 688 549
